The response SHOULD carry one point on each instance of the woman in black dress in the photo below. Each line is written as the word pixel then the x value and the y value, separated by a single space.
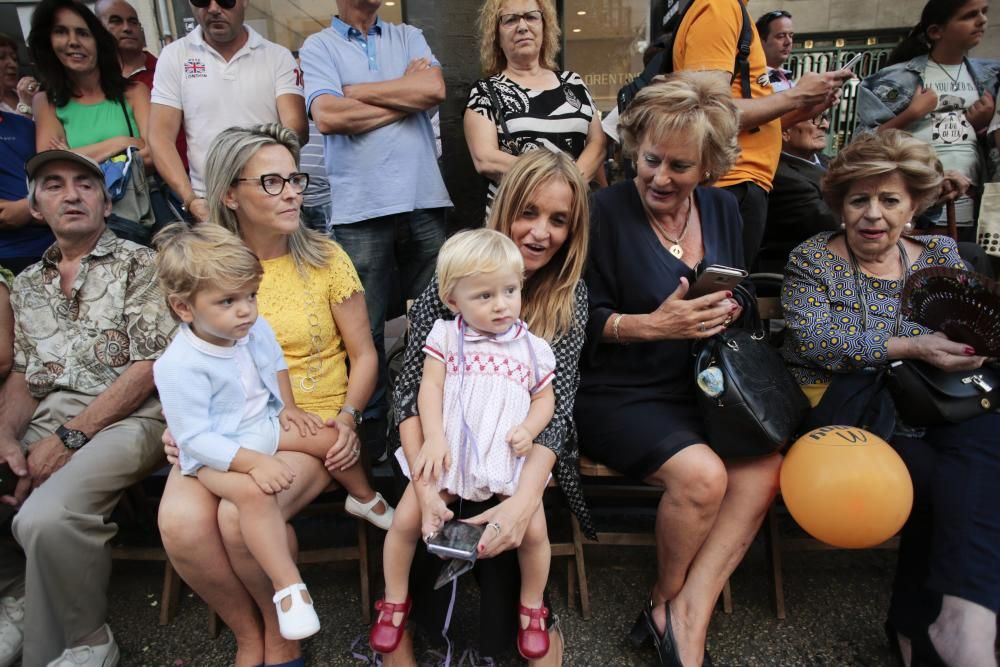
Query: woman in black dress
pixel 635 408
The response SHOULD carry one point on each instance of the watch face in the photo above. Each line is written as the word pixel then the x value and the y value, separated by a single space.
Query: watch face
pixel 73 439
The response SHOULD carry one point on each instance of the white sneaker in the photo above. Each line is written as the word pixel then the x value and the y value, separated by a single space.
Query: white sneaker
pixel 11 630
pixel 103 655
pixel 367 512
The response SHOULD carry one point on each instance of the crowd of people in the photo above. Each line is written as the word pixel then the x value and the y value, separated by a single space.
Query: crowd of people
pixel 197 267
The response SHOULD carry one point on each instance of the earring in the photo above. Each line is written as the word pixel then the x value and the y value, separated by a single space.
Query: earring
pixel 231 207
pixel 908 227
pixel 843 226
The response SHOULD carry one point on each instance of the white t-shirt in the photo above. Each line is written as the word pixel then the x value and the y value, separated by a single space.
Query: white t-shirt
pixel 214 94
pixel 257 393
pixel 946 128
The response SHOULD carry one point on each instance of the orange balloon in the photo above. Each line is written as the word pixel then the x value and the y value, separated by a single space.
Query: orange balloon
pixel 846 487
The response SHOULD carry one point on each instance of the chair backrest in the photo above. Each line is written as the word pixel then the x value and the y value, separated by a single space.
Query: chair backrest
pixel 769 308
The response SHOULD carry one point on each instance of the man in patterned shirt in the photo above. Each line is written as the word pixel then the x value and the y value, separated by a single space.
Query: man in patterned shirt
pixel 79 420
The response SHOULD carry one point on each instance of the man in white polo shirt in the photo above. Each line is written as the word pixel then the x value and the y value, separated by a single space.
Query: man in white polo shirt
pixel 223 74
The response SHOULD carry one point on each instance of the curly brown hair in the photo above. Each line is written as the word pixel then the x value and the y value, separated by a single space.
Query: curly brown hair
pixel 492 57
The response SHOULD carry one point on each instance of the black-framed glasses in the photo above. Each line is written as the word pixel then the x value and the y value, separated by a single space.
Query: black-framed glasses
pixel 274 184
pixel 819 120
pixel 225 4
pixel 532 18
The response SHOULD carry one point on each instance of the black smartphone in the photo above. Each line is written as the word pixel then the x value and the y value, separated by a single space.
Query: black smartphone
pixel 456 539
pixel 8 480
pixel 716 278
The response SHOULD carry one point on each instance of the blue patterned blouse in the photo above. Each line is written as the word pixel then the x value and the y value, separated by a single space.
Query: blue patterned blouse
pixel 825 333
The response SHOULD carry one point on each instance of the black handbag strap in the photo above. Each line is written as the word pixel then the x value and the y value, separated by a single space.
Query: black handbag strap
pixel 121 103
pixel 751 313
pixel 494 100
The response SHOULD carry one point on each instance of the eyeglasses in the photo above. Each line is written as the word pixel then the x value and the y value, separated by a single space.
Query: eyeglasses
pixel 225 4
pixel 820 120
pixel 274 184
pixel 532 18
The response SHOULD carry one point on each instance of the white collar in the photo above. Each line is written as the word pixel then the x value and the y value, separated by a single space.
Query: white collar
pixel 516 331
pixel 211 349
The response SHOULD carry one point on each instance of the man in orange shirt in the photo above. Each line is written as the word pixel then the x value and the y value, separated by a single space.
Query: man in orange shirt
pixel 707 39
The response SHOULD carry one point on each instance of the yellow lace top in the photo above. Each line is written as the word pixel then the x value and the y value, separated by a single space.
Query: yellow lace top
pixel 299 311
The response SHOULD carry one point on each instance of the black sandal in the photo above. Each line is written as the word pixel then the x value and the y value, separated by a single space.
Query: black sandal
pixel 665 644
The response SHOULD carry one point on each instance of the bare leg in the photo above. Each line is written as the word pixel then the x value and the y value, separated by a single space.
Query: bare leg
pixel 261 523
pixel 188 522
pixel 534 557
pixel 694 483
pixel 751 489
pixel 310 480
pixel 397 552
pixel 353 479
pixel 964 633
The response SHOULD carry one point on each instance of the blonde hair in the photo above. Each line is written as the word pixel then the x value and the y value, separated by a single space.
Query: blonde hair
pixel 548 300
pixel 691 104
pixel 472 252
pixel 189 259
pixel 228 155
pixel 491 56
pixel 880 154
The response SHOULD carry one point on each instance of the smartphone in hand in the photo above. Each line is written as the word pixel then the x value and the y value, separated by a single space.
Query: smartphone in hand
pixel 716 278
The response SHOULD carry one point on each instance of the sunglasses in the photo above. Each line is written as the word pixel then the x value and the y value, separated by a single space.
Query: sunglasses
pixel 225 4
pixel 274 184
pixel 775 14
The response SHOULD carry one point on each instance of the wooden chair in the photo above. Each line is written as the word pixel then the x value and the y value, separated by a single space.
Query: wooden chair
pixel 620 488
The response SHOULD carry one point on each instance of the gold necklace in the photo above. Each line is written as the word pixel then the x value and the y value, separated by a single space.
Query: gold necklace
pixel 675 249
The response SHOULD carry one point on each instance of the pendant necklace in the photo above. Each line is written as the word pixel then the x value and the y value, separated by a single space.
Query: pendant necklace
pixel 675 249
pixel 955 84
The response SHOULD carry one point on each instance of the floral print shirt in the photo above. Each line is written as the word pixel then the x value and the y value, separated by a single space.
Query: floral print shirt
pixel 114 315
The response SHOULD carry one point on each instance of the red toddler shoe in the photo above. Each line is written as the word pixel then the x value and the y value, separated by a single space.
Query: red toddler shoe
pixel 385 637
pixel 533 641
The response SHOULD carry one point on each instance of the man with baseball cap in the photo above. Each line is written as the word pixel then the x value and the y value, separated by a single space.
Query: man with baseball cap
pixel 79 419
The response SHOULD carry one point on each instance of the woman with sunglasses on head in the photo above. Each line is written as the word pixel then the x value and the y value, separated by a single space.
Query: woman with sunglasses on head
pixel 255 189
pixel 525 103
pixel 933 90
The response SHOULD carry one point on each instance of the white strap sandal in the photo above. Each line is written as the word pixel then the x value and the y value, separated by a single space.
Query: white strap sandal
pixel 366 511
pixel 300 621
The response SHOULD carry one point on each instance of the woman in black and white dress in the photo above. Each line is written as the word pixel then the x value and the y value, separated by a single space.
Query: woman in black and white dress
pixel 540 106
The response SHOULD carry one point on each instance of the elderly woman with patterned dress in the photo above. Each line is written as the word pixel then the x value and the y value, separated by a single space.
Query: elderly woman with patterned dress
pixel 841 299
pixel 524 92
pixel 636 409
pixel 542 206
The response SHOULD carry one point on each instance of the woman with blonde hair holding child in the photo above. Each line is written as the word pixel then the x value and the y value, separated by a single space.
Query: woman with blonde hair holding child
pixel 485 396
pixel 311 296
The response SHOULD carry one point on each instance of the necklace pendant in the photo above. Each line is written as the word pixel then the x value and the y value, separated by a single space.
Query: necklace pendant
pixel 955 86
pixel 676 250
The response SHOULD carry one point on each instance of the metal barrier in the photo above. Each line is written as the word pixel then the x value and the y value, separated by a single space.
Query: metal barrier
pixel 844 116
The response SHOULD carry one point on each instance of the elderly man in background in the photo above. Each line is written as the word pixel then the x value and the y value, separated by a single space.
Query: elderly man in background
pixel 79 420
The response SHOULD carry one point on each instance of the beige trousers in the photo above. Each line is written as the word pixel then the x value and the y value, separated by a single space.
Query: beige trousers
pixel 64 530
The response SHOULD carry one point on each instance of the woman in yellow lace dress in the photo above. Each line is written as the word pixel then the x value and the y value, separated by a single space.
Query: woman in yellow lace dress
pixel 312 298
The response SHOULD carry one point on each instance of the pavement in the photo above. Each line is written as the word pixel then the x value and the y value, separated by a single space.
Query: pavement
pixel 836 604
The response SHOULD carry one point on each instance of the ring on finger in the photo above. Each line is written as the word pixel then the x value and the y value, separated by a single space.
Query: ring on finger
pixel 727 321
pixel 701 327
pixel 356 450
pixel 495 525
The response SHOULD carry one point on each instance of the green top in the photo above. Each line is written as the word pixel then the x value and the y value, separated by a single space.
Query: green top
pixel 87 124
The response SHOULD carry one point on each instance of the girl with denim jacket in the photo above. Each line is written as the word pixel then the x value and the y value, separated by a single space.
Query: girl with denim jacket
pixel 934 91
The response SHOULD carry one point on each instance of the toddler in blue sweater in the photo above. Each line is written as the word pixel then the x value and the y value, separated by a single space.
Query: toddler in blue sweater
pixel 228 400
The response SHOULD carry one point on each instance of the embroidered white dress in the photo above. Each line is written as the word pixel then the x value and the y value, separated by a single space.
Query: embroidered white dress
pixel 493 394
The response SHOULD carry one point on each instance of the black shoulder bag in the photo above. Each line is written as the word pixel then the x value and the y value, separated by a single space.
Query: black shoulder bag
pixel 760 406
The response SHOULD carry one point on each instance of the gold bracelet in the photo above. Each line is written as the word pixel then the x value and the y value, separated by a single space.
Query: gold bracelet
pixel 614 327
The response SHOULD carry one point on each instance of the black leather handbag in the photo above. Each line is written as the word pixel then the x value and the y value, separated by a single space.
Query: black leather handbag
pixel 928 396
pixel 760 407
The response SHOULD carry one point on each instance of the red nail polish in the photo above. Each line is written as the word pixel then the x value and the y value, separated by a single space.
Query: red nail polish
pixel 970 351
pixel 734 309
pixel 729 295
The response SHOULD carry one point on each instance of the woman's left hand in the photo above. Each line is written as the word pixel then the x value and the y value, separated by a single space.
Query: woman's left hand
pixel 307 422
pixel 346 450
pixel 505 524
pixel 26 89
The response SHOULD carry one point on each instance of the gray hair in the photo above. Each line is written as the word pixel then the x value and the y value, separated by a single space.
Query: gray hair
pixel 228 155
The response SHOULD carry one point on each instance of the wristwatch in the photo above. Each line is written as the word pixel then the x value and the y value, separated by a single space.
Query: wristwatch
pixel 72 438
pixel 355 413
pixel 23 108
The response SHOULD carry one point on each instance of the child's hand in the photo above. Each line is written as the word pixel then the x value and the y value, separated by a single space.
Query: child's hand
pixel 433 459
pixel 520 440
pixel 434 513
pixel 305 421
pixel 272 474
